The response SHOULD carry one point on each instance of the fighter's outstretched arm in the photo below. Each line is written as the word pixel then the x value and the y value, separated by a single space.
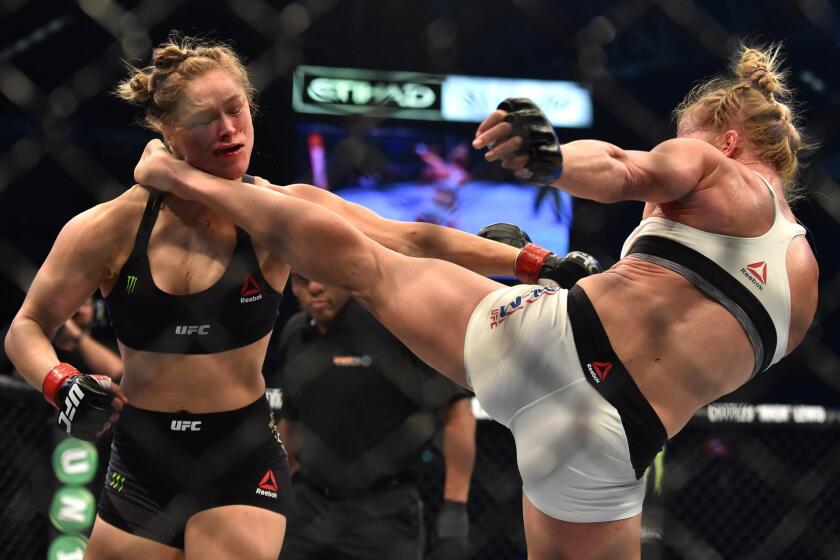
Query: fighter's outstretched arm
pixel 159 169
pixel 522 139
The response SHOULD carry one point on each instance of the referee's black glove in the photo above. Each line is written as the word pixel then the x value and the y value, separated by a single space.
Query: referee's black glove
pixel 453 532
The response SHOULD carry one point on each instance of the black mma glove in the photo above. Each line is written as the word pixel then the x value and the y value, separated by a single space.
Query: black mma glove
pixel 508 234
pixel 453 532
pixel 535 265
pixel 538 140
pixel 83 401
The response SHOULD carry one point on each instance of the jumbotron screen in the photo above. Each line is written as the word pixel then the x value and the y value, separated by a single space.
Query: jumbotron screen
pixel 428 174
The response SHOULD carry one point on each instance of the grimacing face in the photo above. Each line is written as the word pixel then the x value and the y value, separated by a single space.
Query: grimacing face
pixel 211 126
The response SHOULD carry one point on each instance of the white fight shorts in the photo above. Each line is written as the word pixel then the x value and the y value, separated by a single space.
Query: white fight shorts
pixel 571 446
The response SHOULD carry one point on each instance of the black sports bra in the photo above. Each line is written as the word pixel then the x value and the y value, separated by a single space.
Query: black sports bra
pixel 240 308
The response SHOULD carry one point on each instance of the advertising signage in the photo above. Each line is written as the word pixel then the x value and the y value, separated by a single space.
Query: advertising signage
pixel 417 96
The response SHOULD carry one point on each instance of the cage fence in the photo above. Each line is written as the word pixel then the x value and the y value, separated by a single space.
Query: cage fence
pixel 740 482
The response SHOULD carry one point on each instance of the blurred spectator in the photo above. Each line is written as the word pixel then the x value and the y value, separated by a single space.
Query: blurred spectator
pixel 357 410
pixel 74 344
pixel 447 176
pixel 77 343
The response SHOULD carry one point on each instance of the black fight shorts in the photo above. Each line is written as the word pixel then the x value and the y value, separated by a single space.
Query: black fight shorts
pixel 166 467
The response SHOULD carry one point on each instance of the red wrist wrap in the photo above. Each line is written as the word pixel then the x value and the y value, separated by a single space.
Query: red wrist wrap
pixel 54 379
pixel 529 263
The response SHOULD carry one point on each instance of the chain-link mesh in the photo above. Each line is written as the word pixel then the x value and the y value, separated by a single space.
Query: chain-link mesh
pixel 495 501
pixel 723 491
pixel 26 437
pixel 66 144
pixel 752 491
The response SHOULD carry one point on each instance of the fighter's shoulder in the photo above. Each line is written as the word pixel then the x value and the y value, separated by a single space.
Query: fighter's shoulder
pixel 298 190
pixel 261 181
pixel 691 147
pixel 113 219
pixel 710 165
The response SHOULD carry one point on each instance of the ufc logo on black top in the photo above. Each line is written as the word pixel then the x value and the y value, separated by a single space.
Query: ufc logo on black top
pixel 192 329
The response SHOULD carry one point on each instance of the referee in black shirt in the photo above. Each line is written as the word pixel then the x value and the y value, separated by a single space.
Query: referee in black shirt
pixel 357 408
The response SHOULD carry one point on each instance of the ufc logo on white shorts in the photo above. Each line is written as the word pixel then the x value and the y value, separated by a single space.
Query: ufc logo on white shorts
pixel 74 397
pixel 186 426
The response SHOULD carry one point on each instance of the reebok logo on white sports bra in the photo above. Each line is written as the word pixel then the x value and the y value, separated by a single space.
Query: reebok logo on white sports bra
pixel 734 271
pixel 756 273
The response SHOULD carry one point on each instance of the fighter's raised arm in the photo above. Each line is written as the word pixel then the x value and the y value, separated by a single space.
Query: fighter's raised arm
pixel 521 138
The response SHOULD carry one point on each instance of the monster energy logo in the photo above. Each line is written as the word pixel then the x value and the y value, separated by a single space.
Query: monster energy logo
pixel 130 284
pixel 117 482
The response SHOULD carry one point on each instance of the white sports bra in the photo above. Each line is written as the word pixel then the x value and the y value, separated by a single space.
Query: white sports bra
pixel 747 275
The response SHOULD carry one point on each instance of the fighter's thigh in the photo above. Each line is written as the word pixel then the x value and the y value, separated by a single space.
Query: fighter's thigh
pixel 552 539
pixel 426 303
pixel 235 531
pixel 108 542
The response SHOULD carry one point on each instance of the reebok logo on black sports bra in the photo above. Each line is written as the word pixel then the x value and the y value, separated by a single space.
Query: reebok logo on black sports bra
pixel 250 291
pixel 238 309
